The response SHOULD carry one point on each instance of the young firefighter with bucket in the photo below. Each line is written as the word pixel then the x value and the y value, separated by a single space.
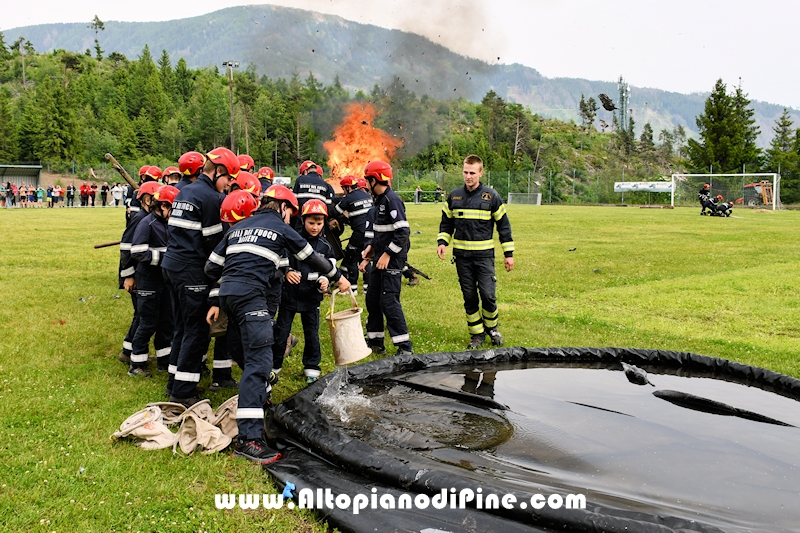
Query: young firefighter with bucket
pixel 302 293
pixel 246 260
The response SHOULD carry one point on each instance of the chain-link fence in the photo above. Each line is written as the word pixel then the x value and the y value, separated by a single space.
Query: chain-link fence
pixel 564 186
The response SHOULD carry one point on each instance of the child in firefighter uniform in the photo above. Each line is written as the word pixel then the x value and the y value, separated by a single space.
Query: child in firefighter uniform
pixel 388 251
pixel 302 293
pixel 468 221
pixel 353 210
pixel 127 266
pixel 194 230
pixel 310 186
pixel 153 302
pixel 245 261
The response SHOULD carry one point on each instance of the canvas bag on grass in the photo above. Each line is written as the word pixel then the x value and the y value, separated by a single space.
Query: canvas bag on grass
pixel 225 417
pixel 147 429
pixel 196 433
pixel 171 412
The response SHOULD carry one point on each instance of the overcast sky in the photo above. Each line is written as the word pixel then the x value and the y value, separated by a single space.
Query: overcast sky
pixel 676 45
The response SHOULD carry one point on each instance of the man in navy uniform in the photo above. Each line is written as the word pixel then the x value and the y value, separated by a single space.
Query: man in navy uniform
pixel 195 229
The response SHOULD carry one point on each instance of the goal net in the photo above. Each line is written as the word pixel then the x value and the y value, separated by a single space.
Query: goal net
pixel 532 198
pixel 745 190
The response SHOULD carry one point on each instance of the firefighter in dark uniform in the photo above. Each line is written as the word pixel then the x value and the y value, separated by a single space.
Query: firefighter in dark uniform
pixel 265 175
pixel 353 211
pixel 310 185
pixel 387 251
pixel 131 201
pixel 194 230
pixel 154 305
pixel 246 162
pixel 190 165
pixel 468 221
pixel 245 260
pixel 704 195
pixel 127 266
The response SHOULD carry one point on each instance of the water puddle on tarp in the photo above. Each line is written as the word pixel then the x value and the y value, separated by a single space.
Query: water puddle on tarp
pixel 691 446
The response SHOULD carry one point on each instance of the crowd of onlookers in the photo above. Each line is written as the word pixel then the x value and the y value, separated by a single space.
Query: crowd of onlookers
pixel 88 195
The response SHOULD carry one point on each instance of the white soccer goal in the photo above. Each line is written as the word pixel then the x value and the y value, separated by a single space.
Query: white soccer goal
pixel 749 190
pixel 531 198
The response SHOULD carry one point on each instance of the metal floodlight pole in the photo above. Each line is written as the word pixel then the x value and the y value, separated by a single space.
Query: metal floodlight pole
pixel 231 65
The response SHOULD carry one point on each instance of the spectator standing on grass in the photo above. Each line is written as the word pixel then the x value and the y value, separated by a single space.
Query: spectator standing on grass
pixel 104 193
pixel 71 195
pixel 418 194
pixel 117 193
pixel 15 189
pixel 49 196
pixel 93 194
pixel 438 194
pixel 32 195
pixel 40 196
pixel 468 221
pixel 57 190
pixel 3 194
pixel 84 191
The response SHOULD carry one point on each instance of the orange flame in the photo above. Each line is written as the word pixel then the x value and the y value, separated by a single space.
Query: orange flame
pixel 356 142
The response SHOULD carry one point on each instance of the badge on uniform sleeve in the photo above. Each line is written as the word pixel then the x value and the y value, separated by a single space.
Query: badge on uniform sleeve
pixel 486 196
pixel 393 212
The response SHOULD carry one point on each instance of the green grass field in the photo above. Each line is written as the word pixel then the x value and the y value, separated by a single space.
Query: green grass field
pixel 646 278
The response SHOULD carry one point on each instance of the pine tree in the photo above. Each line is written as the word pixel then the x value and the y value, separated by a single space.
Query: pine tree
pixel 8 137
pixel 166 73
pixel 646 144
pixel 782 157
pixel 184 81
pixel 98 26
pixel 727 133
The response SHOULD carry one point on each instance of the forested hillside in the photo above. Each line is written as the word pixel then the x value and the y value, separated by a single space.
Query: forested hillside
pixel 67 109
pixel 281 42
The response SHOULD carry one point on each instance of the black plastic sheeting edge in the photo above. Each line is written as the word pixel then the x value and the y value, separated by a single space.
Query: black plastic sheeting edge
pixel 302 418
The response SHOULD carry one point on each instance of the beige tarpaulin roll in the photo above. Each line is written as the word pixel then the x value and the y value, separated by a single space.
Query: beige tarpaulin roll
pixel 147 428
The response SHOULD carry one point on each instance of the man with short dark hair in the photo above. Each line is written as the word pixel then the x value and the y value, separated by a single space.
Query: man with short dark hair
pixel 468 221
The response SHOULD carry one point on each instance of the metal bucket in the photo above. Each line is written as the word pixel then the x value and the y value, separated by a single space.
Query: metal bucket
pixel 347 336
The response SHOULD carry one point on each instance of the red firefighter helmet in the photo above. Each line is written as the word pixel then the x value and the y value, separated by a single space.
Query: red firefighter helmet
pixel 319 170
pixel 191 163
pixel 315 207
pixel 247 182
pixel 143 170
pixel 362 183
pixel 265 173
pixel 280 192
pixel 148 187
pixel 171 170
pixel 166 193
pixel 382 172
pixel 223 156
pixel 154 173
pixel 237 206
pixel 246 162
pixel 348 181
pixel 305 165
pixel 706 186
pixel 719 197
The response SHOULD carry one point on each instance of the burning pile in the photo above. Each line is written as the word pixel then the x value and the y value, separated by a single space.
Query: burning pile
pixel 356 142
